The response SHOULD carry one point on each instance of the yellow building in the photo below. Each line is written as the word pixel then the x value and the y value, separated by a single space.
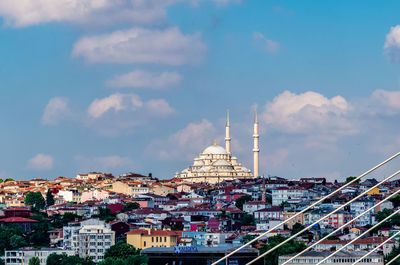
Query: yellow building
pixel 374 191
pixel 147 238
pixel 298 219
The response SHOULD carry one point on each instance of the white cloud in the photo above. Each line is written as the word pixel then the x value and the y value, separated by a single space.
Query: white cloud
pixel 117 102
pixel 139 45
pixel 269 45
pixel 307 113
pixel 121 113
pixel 392 44
pixel 102 163
pixel 390 99
pixel 55 111
pixel 144 79
pixel 185 143
pixel 24 13
pixel 275 160
pixel 159 107
pixel 41 162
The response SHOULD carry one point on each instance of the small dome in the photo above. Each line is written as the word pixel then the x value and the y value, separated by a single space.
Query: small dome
pixel 215 150
pixel 198 162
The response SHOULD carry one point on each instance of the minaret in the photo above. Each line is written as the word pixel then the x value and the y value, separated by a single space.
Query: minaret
pixel 227 134
pixel 256 149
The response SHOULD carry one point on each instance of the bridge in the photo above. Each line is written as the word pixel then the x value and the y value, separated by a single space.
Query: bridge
pixel 330 257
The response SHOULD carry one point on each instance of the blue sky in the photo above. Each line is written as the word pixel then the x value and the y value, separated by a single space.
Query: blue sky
pixel 143 86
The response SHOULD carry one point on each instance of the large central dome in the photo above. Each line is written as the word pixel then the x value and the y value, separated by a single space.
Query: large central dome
pixel 215 150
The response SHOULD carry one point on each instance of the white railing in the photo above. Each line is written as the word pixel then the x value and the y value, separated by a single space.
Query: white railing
pixel 311 206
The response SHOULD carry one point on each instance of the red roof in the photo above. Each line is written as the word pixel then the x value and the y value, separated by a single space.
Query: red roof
pixel 18 220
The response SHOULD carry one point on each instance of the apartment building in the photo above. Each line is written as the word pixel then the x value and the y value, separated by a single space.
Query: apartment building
pixel 23 255
pixel 91 237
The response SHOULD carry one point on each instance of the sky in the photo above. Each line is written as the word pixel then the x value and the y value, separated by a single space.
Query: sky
pixel 143 85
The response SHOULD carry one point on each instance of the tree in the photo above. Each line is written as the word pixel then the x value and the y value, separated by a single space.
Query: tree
pixel 130 206
pixel 395 251
pixel 248 219
pixel 17 241
pixel 34 261
pixel 121 250
pixel 58 220
pixel 297 227
pixel 49 198
pixel 348 179
pixel 1 180
pixel 286 249
pixel 242 200
pixel 283 204
pixel 36 200
pixel 63 259
pixel 105 214
pixel 395 200
pixel 8 179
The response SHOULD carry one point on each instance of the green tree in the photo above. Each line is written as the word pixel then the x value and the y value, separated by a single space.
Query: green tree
pixel 242 200
pixel 248 219
pixel 130 206
pixel 34 261
pixel 297 227
pixel 17 241
pixel 8 179
pixel 63 259
pixel 348 179
pixel 283 204
pixel 49 198
pixel 35 199
pixel 58 220
pixel 6 233
pixel 286 249
pixel 395 251
pixel 121 250
pixel 1 180
pixel 395 200
pixel 105 214
pixel 2 262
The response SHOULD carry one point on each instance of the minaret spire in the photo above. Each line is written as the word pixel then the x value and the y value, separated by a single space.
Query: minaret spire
pixel 227 134
pixel 256 149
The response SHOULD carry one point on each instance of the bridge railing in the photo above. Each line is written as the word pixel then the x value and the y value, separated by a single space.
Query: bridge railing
pixel 310 207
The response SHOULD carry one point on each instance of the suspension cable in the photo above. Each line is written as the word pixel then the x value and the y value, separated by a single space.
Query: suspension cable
pixel 322 218
pixel 392 260
pixel 341 227
pixel 376 248
pixel 358 237
pixel 308 207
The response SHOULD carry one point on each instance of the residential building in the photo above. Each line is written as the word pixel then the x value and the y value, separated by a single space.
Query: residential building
pixel 146 238
pixel 23 255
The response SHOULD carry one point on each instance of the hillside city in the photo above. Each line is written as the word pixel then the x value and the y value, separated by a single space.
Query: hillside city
pixel 99 218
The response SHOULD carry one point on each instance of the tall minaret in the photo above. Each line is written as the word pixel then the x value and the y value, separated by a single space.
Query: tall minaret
pixel 227 134
pixel 256 149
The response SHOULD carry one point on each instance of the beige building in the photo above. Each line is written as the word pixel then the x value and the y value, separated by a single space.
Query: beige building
pixel 131 188
pixel 298 219
pixel 148 238
pixel 162 189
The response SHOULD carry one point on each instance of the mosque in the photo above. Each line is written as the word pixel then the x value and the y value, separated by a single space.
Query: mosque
pixel 216 164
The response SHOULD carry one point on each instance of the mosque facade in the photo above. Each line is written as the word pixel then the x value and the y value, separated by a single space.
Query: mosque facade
pixel 216 163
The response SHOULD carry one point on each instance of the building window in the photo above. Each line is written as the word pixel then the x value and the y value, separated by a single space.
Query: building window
pixel 144 243
pixel 152 239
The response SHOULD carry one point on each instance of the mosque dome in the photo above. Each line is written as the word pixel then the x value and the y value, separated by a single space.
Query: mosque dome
pixel 215 150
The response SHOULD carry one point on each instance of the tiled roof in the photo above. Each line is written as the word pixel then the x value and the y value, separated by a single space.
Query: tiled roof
pixel 17 220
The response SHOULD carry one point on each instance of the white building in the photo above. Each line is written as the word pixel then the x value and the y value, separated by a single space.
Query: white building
pixel 216 163
pixel 359 207
pixel 340 258
pixel 23 255
pixel 284 194
pixel 88 238
pixel 251 206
